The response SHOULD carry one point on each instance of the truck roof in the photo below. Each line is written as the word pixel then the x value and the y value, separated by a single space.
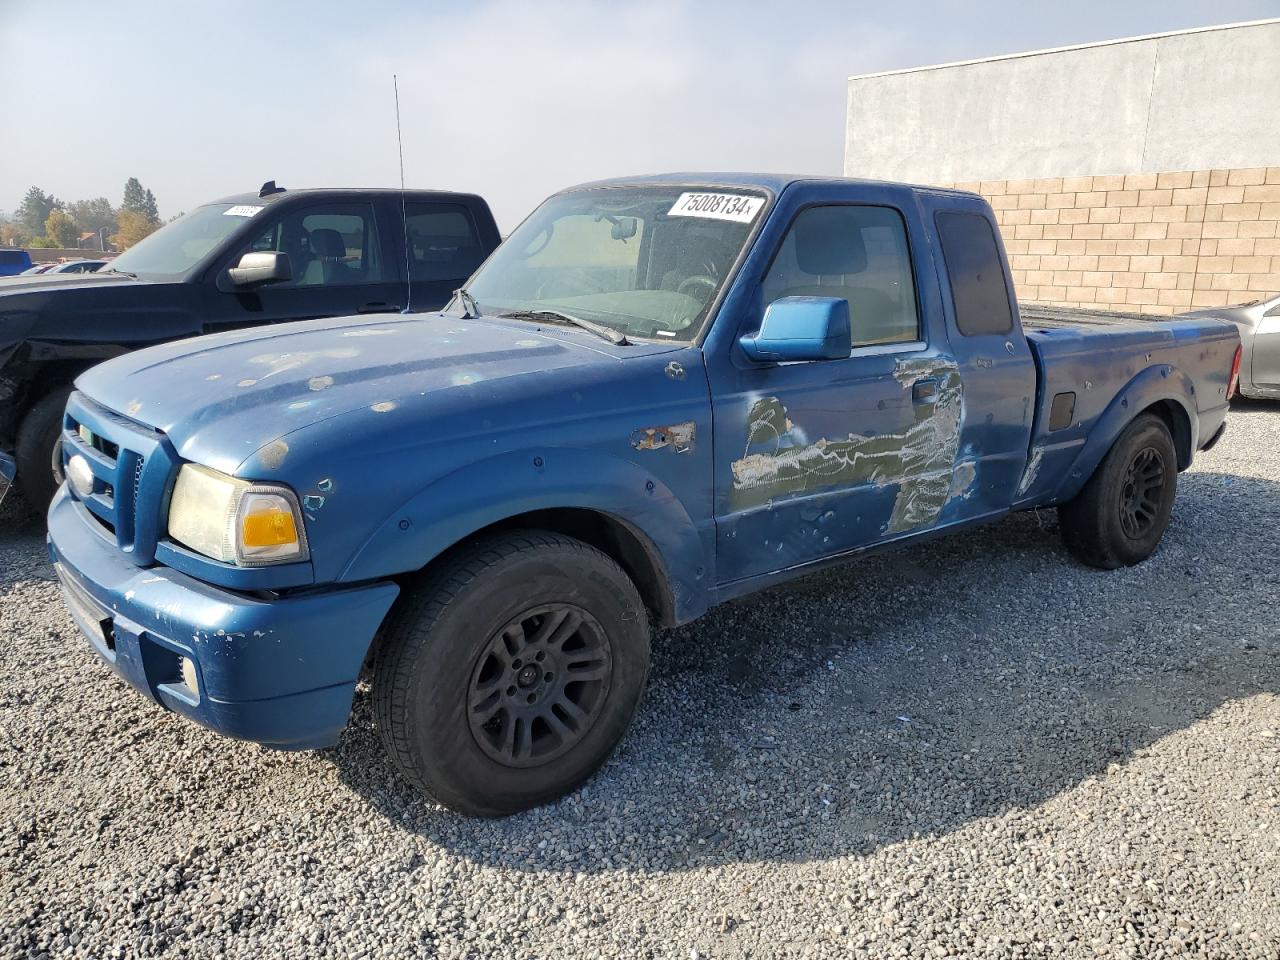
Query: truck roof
pixel 323 192
pixel 775 182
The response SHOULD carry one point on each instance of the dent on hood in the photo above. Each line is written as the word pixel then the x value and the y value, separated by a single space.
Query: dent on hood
pixel 921 461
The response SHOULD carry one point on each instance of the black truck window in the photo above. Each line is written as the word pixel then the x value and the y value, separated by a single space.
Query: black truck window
pixel 327 244
pixel 976 272
pixel 443 242
pixel 854 253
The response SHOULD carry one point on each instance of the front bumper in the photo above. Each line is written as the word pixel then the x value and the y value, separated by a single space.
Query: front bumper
pixel 280 672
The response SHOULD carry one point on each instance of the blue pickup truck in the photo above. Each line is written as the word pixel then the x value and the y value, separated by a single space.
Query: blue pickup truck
pixel 657 395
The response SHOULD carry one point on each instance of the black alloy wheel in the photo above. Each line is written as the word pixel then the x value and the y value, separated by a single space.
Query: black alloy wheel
pixel 509 670
pixel 1142 493
pixel 1120 514
pixel 539 685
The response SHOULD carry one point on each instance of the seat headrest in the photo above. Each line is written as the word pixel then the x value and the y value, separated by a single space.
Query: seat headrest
pixel 326 242
pixel 828 243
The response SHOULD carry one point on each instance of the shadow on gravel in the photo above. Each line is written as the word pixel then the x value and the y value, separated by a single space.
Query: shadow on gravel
pixel 22 550
pixel 899 697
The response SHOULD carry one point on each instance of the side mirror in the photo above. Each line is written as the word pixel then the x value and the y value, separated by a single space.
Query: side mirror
pixel 257 269
pixel 801 328
pixel 624 228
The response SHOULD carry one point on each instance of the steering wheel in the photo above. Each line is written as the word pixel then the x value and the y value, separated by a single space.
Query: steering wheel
pixel 697 280
pixel 534 248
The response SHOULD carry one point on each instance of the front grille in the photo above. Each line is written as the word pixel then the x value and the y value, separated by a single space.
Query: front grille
pixel 131 465
pixel 137 479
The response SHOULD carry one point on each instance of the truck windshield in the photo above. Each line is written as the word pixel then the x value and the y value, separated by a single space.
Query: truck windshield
pixel 178 246
pixel 646 260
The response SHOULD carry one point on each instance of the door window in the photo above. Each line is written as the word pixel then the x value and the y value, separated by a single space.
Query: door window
pixel 854 253
pixel 443 242
pixel 335 244
pixel 975 269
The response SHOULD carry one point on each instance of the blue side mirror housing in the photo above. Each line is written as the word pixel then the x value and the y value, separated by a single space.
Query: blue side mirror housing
pixel 801 328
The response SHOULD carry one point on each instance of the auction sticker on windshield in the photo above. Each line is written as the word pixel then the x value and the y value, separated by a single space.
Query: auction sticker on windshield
pixel 717 206
pixel 243 210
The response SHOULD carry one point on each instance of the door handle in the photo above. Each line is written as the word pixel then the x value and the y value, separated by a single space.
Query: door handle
pixel 924 391
pixel 379 307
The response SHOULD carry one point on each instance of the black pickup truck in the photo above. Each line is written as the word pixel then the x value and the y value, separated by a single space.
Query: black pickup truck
pixel 258 258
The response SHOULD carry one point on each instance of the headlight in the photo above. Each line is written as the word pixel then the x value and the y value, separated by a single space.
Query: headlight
pixel 235 521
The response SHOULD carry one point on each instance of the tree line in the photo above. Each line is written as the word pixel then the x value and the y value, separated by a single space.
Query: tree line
pixel 42 220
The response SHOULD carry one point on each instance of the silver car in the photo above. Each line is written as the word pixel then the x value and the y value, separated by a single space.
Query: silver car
pixel 1259 323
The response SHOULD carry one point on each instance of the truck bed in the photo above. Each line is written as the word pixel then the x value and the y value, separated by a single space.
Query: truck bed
pixel 1086 359
pixel 1037 316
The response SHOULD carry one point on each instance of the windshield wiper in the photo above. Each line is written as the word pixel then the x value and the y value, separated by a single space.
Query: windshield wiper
pixel 470 309
pixel 616 337
pixel 123 273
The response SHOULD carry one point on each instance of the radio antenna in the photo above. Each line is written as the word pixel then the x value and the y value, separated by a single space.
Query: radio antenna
pixel 404 217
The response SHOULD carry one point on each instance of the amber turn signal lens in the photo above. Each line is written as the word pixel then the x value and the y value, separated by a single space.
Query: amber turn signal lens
pixel 268 526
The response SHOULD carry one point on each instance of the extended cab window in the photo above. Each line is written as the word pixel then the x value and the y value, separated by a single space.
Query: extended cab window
pixel 976 272
pixel 853 253
pixel 443 242
pixel 327 245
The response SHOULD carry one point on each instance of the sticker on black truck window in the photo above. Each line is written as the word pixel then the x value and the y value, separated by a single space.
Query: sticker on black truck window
pixel 717 206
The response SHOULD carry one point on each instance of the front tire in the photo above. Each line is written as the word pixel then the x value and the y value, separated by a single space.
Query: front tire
pixel 510 675
pixel 1120 515
pixel 39 453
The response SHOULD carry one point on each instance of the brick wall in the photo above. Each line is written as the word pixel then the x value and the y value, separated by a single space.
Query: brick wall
pixel 1149 243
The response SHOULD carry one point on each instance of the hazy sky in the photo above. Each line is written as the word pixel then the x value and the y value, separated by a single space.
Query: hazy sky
pixel 509 99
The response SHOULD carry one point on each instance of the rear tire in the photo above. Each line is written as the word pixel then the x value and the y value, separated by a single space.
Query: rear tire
pixel 510 675
pixel 1120 515
pixel 39 450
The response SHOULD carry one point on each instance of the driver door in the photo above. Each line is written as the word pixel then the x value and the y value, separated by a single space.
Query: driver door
pixel 817 458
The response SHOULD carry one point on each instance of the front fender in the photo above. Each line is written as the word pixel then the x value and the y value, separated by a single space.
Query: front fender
pixel 480 494
pixel 1153 385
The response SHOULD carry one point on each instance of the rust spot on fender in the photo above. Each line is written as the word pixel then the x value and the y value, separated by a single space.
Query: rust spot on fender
pixel 273 454
pixel 678 436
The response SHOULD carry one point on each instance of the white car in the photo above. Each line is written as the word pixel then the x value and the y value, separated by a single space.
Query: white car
pixel 1259 325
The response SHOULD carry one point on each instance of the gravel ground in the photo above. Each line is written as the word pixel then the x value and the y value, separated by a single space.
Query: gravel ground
pixel 973 748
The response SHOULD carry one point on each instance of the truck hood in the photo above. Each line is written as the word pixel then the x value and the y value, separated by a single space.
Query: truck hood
pixel 222 398
pixel 60 281
pixel 86 316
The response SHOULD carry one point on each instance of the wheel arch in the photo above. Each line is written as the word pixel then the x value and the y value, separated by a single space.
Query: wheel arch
pixel 1163 391
pixel 609 503
pixel 613 536
pixel 1175 417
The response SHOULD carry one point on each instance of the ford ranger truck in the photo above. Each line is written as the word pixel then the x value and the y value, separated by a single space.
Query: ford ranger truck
pixel 247 260
pixel 657 395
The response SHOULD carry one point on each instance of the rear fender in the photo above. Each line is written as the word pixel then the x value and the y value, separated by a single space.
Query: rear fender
pixel 479 495
pixel 1151 386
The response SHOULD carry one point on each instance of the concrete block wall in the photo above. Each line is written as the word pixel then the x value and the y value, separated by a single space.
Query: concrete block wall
pixel 1153 243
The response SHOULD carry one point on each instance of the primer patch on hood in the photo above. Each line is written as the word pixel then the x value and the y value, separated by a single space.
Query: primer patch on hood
pixel 278 363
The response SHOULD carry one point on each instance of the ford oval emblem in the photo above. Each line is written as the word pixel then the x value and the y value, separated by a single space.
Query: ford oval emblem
pixel 80 476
